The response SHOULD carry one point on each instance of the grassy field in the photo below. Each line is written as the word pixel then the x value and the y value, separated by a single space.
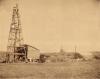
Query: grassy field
pixel 66 70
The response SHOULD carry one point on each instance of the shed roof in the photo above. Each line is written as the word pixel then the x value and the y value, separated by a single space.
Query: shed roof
pixel 31 46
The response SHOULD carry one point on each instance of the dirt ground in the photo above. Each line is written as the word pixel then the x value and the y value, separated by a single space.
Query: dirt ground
pixel 66 70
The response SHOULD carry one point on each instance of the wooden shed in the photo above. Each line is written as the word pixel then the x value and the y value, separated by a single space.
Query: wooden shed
pixel 32 53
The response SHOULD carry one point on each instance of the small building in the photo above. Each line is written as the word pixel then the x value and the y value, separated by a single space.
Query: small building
pixel 32 53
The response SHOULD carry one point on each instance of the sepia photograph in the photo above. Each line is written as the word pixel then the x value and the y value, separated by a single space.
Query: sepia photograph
pixel 49 39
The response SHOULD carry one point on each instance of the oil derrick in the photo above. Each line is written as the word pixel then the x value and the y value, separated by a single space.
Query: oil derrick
pixel 15 48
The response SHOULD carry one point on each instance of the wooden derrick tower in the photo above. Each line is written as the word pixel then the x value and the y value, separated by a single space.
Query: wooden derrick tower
pixel 15 48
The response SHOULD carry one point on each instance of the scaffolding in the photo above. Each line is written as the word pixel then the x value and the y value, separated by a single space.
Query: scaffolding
pixel 15 49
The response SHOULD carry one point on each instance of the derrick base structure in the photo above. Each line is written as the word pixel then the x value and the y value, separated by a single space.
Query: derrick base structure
pixel 20 55
pixel 25 53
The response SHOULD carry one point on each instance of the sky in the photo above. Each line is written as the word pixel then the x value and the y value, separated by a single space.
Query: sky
pixel 53 24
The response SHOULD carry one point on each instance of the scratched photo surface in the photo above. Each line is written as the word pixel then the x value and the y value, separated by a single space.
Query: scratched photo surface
pixel 49 39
